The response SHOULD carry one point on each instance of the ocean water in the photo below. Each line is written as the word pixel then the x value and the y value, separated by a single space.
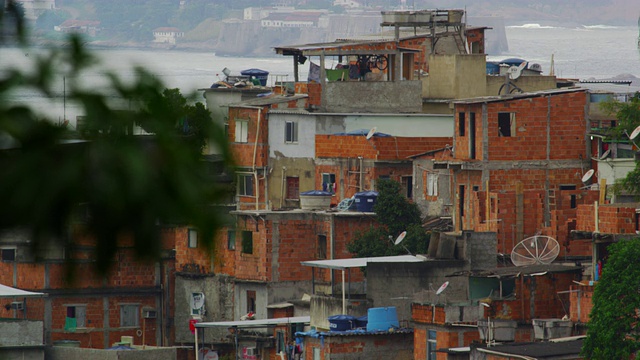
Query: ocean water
pixel 583 52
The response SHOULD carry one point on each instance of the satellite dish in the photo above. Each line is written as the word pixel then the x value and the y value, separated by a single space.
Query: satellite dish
pixel 400 238
pixel 514 72
pixel 588 175
pixel 442 287
pixel 371 132
pixel 605 154
pixel 226 71
pixel 535 250
pixel 635 133
pixel 485 304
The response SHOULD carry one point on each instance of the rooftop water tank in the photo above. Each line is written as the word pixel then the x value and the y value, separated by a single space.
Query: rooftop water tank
pixel 365 200
pixel 382 319
pixel 315 200
pixel 342 322
pixel 258 74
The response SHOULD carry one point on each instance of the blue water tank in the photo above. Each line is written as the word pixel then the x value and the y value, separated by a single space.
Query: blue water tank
pixel 342 322
pixel 258 74
pixel 512 61
pixel 361 322
pixel 365 200
pixel 382 319
pixel 493 68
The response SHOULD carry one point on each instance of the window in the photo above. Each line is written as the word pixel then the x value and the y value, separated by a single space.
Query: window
pixel 322 247
pixel 245 185
pixel 407 186
pixel 247 242
pixel 291 132
pixel 432 184
pixel 242 131
pixel 461 123
pixel 231 239
pixel 431 345
pixel 8 254
pixel 76 317
pixel 293 188
pixel 251 301
pixel 329 183
pixel 129 315
pixel 193 238
pixel 506 124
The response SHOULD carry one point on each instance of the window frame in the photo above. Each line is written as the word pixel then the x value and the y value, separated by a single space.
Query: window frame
pixel 432 183
pixel 245 185
pixel 247 242
pixel 231 239
pixel 241 134
pixel 432 344
pixel 192 238
pixel 333 189
pixel 290 194
pixel 5 251
pixel 321 247
pixel 136 318
pixel 502 124
pixel 462 123
pixel 251 297
pixel 291 132
pixel 78 315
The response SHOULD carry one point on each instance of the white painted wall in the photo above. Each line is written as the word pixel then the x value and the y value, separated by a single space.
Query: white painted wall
pixel 304 148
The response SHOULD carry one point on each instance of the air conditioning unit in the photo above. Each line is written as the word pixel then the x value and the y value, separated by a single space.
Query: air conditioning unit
pixel 17 305
pixel 150 314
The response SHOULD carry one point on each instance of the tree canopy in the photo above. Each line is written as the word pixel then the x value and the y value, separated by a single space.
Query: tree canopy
pixel 614 331
pixel 126 184
pixel 394 214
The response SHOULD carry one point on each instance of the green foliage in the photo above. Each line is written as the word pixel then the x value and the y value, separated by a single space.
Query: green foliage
pixel 126 184
pixel 613 331
pixel 628 116
pixel 395 214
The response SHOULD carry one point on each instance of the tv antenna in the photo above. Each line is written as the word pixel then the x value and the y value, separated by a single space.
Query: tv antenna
pixel 587 176
pixel 535 250
pixel 398 240
pixel 605 155
pixel 371 132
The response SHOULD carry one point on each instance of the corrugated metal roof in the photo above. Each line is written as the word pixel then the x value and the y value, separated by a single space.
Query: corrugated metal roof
pixel 488 99
pixel 532 270
pixel 256 323
pixel 341 264
pixel 269 100
pixel 537 350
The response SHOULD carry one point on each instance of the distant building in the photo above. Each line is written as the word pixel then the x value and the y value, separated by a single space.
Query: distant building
pixel 88 27
pixel 167 35
pixel 295 20
pixel 347 3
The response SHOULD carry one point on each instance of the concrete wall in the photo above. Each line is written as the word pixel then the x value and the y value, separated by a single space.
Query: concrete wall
pixel 440 205
pixel 323 306
pixel 423 125
pixel 373 96
pixel 305 145
pixel 526 83
pixel 21 332
pixel 66 353
pixel 455 77
pixel 31 353
pixel 219 305
pixel 398 284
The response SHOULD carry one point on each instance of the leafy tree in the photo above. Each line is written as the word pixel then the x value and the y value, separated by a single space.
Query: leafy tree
pixel 628 116
pixel 395 214
pixel 614 328
pixel 127 184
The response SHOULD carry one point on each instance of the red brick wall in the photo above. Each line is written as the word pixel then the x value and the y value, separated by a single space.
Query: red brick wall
pixel 612 218
pixel 581 303
pixel 566 115
pixel 378 148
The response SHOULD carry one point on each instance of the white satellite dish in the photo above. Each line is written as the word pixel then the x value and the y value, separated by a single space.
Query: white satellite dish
pixel 514 72
pixel 605 154
pixel 485 304
pixel 371 132
pixel 442 287
pixel 535 250
pixel 587 175
pixel 635 133
pixel 400 238
pixel 226 71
